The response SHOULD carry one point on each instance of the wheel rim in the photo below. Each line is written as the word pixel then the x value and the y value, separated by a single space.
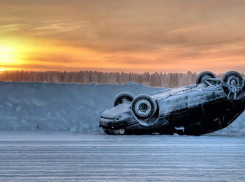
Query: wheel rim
pixel 234 83
pixel 143 107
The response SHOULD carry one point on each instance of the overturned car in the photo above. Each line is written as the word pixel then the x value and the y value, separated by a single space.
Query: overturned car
pixel 209 105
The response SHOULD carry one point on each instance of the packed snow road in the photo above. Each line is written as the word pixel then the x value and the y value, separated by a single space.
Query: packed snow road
pixel 63 156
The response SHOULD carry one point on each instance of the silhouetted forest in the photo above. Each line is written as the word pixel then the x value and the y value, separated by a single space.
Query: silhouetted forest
pixel 171 80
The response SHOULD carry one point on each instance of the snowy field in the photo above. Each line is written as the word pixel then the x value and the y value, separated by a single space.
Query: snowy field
pixel 49 132
pixel 59 107
pixel 69 107
pixel 63 156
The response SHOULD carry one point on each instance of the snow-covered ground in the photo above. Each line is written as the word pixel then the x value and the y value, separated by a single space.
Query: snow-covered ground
pixel 63 156
pixel 69 107
pixel 59 107
pixel 36 143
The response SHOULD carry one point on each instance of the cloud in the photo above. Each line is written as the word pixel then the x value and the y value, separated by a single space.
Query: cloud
pixel 9 27
pixel 56 27
pixel 151 34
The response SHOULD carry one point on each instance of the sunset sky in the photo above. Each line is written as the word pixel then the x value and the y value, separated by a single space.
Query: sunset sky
pixel 122 35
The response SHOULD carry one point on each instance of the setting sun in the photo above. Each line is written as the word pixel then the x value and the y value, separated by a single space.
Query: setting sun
pixel 2 70
pixel 7 54
pixel 13 53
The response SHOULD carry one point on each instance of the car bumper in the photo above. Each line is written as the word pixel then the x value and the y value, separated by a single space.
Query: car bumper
pixel 112 124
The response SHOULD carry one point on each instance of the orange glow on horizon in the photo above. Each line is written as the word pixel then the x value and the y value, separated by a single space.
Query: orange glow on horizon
pixel 37 56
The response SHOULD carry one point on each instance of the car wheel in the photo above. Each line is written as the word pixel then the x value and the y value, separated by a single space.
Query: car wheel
pixel 203 76
pixel 123 97
pixel 233 85
pixel 143 106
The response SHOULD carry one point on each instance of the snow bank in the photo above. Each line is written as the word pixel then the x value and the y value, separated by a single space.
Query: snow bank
pixel 237 128
pixel 58 107
pixel 69 107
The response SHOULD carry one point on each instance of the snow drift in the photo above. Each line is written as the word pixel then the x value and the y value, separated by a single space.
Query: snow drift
pixel 74 107
pixel 52 106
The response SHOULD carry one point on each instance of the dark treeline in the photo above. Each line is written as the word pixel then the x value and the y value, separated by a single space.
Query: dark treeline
pixel 171 80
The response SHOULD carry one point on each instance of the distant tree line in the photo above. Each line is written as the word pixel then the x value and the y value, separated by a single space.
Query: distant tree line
pixel 156 79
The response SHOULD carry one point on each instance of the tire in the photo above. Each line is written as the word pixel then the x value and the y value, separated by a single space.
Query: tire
pixel 233 85
pixel 144 106
pixel 122 97
pixel 204 75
